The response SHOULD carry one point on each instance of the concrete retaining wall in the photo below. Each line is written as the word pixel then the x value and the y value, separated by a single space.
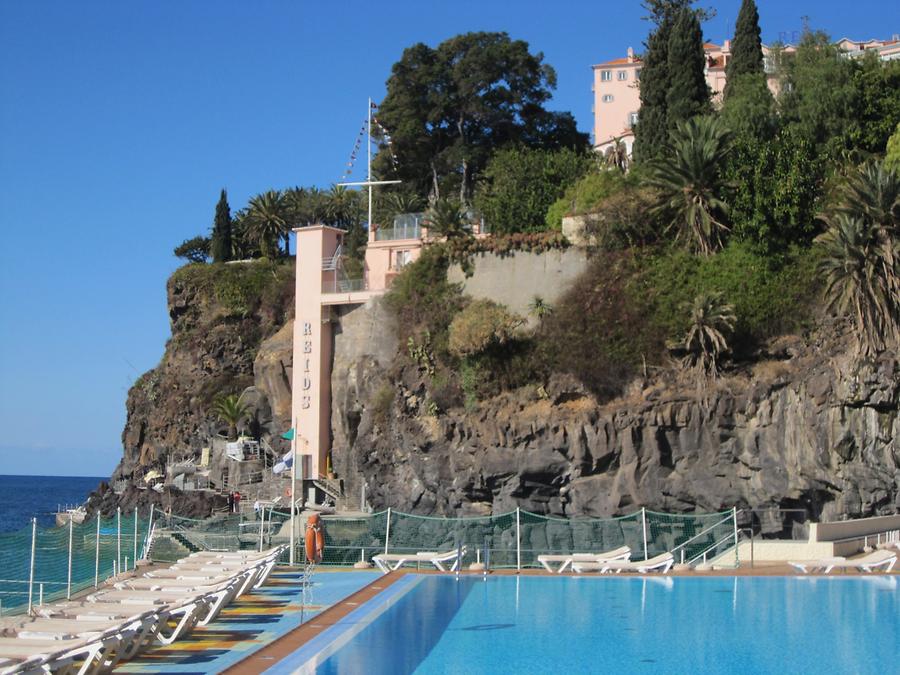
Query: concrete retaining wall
pixel 853 528
pixel 516 278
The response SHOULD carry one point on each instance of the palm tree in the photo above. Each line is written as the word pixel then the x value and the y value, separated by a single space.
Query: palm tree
pixel 539 308
pixel 861 263
pixel 232 410
pixel 446 218
pixel 711 318
pixel 690 182
pixel 267 220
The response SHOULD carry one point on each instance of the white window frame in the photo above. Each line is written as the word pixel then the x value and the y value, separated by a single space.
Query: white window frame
pixel 632 119
pixel 622 75
pixel 606 76
pixel 607 98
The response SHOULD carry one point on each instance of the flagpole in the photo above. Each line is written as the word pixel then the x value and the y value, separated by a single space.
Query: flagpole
pixel 369 160
pixel 293 485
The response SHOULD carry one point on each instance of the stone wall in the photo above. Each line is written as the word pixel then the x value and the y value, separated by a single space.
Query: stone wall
pixel 516 278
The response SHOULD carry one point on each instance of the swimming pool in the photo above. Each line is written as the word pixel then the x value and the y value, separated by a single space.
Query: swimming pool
pixel 506 624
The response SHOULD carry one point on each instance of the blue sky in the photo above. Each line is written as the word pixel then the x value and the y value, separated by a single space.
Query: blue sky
pixel 120 122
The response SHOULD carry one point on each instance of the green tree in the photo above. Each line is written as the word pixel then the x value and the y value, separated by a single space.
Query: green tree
pixel 818 94
pixel 449 108
pixel 746 47
pixel 232 410
pixel 861 263
pixel 690 182
pixel 711 320
pixel 652 130
pixel 892 152
pixel 688 93
pixel 194 250
pixel 876 100
pixel 446 218
pixel 519 185
pixel 221 233
pixel 777 185
pixel 267 221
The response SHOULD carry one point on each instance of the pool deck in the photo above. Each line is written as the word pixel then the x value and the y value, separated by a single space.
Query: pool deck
pixel 282 648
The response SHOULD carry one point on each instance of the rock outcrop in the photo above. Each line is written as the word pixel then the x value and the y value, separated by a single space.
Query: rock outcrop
pixel 230 334
pixel 803 428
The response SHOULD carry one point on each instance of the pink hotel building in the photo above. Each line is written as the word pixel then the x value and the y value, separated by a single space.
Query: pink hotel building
pixel 616 85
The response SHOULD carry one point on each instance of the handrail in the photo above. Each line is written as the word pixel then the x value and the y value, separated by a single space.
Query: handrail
pixel 725 519
pixel 730 535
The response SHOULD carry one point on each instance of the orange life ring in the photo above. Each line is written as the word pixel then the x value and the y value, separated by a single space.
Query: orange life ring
pixel 287 492
pixel 314 539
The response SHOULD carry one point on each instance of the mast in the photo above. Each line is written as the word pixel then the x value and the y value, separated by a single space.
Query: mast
pixel 369 160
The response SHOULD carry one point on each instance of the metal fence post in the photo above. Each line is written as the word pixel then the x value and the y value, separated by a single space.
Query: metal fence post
pixel 387 531
pixel 149 533
pixel 644 522
pixel 97 555
pixel 69 575
pixel 134 557
pixel 518 541
pixel 31 566
pixel 262 522
pixel 119 538
pixel 737 559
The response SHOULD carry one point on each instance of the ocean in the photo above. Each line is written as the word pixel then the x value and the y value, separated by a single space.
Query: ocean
pixel 24 497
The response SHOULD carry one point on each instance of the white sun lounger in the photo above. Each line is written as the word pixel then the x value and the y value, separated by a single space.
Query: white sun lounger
pixel 868 563
pixel 22 655
pixel 566 559
pixel 384 560
pixel 661 563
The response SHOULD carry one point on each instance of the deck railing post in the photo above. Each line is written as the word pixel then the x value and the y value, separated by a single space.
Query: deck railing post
pixel 262 522
pixel 737 559
pixel 97 555
pixel 644 524
pixel 134 556
pixel 518 541
pixel 69 574
pixel 118 537
pixel 31 565
pixel 149 532
pixel 387 531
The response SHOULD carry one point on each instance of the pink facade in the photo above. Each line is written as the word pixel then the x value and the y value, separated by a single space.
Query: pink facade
pixel 617 94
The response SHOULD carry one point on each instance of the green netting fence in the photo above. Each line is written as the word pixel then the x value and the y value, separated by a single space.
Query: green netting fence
pixel 510 540
pixel 42 564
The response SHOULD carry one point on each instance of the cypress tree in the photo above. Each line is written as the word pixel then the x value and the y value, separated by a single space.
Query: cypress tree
pixel 221 234
pixel 746 48
pixel 651 132
pixel 688 94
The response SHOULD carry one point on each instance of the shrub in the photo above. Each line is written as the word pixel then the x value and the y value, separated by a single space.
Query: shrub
pixel 480 326
pixel 195 250
pixel 623 219
pixel 584 196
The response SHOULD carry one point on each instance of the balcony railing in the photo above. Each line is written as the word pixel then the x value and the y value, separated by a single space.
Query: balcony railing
pixel 394 233
pixel 343 285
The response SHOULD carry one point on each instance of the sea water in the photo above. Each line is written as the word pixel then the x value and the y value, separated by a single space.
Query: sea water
pixel 25 497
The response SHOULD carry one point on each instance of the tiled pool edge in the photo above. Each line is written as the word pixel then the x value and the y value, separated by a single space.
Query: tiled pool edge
pixel 315 651
pixel 271 656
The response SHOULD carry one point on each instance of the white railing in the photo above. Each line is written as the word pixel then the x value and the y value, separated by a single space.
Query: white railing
pixel 734 534
pixel 332 263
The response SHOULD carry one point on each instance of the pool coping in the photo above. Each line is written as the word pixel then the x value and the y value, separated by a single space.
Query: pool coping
pixel 277 652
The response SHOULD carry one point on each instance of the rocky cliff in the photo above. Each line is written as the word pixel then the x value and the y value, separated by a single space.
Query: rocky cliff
pixel 231 333
pixel 804 427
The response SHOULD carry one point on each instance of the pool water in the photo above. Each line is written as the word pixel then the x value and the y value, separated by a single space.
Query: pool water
pixel 438 624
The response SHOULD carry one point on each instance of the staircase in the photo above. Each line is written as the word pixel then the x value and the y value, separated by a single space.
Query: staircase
pixel 333 487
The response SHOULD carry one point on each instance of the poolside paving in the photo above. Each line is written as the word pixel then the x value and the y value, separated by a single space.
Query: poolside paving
pixel 250 623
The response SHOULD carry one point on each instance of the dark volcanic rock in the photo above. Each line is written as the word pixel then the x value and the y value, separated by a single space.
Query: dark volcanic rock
pixel 808 430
